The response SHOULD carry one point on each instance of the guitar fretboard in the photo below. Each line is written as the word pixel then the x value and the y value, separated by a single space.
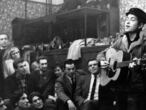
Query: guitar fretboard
pixel 126 63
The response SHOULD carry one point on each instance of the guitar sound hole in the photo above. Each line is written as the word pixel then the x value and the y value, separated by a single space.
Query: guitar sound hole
pixel 115 65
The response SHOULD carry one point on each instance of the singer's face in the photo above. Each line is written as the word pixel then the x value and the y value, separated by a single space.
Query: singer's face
pixel 131 23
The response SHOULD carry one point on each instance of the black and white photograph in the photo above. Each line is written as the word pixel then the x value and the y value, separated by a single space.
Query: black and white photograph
pixel 72 54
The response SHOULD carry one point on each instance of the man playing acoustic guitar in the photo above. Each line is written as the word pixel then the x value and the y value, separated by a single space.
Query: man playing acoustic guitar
pixel 132 96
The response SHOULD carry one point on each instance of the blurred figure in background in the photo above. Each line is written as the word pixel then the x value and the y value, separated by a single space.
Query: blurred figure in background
pixel 4 44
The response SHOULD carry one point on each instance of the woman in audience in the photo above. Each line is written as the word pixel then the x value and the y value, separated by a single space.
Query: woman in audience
pixel 58 70
pixel 10 55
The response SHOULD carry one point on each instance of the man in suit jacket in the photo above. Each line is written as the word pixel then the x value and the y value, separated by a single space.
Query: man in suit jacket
pixel 102 99
pixel 65 87
pixel 42 80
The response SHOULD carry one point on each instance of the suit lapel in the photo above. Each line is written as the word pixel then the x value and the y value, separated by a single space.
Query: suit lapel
pixel 87 84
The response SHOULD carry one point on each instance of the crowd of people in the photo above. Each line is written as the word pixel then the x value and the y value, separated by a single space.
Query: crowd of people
pixel 65 87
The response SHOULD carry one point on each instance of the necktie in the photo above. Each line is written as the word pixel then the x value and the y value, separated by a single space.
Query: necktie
pixel 93 87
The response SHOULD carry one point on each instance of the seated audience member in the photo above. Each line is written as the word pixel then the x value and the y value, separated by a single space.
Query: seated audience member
pixel 37 102
pixel 42 80
pixel 89 93
pixel 10 55
pixel 22 103
pixel 17 83
pixel 51 100
pixel 58 70
pixel 34 66
pixel 64 87
pixel 2 104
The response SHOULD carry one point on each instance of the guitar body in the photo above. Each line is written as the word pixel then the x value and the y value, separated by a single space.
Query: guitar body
pixel 113 55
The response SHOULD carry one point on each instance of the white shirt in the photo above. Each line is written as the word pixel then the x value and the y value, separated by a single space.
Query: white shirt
pixel 96 94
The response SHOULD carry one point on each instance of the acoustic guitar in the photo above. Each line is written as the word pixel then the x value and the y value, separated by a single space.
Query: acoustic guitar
pixel 115 58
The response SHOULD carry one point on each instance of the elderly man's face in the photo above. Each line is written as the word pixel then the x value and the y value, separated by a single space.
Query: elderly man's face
pixel 3 40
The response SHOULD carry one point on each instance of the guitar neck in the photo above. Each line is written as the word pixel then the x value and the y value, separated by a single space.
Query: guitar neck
pixel 123 64
pixel 126 63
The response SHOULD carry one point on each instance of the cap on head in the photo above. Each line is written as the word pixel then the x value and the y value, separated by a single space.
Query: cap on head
pixel 140 14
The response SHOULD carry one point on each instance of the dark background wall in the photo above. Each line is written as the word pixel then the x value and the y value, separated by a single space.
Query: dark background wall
pixel 11 9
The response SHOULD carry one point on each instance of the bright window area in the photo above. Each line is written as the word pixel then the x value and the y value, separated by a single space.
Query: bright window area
pixel 56 2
